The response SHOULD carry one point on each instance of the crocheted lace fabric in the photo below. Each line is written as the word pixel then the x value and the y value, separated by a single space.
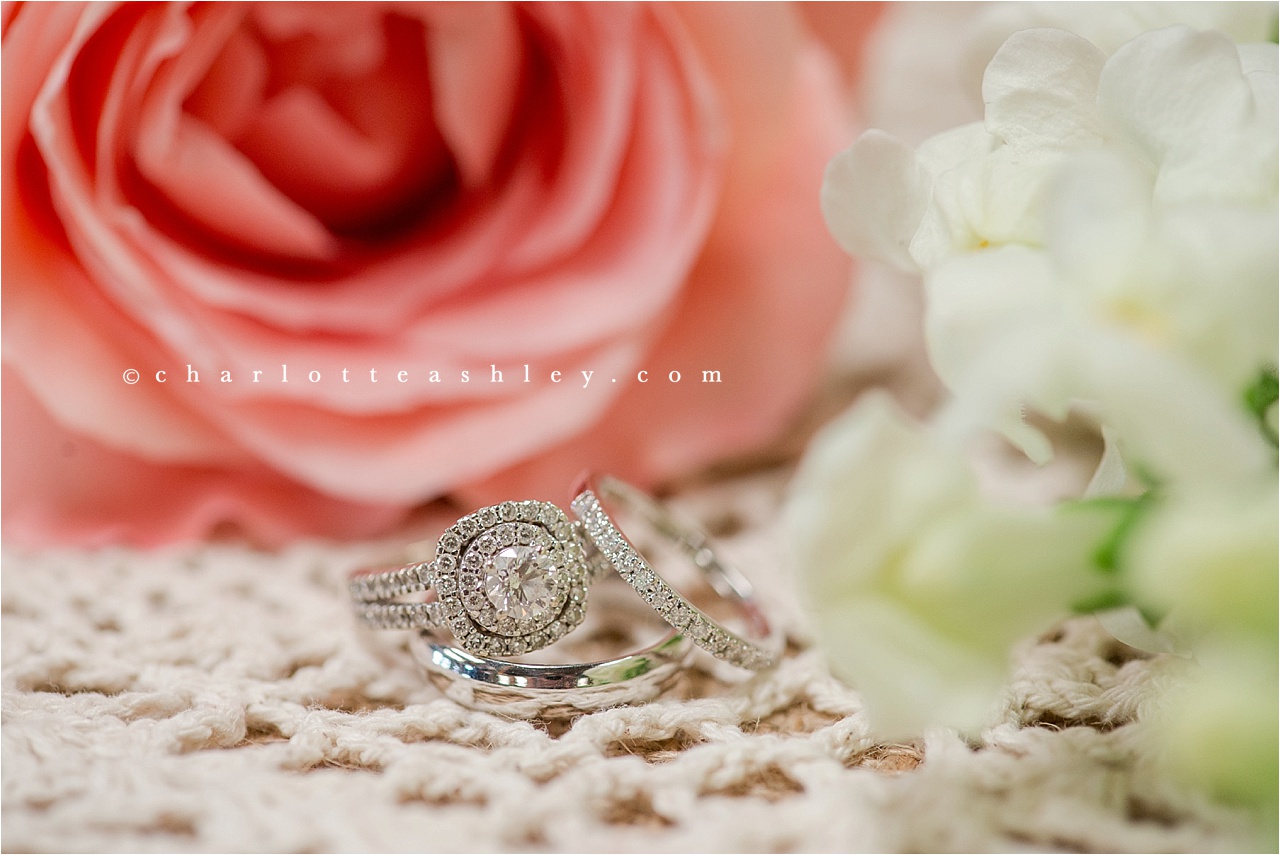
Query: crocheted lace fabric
pixel 223 699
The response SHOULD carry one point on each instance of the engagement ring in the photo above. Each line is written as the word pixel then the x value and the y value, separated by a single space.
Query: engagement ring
pixel 506 580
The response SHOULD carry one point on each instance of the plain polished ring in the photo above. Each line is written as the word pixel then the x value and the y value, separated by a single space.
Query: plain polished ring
pixel 759 649
pixel 506 580
pixel 551 691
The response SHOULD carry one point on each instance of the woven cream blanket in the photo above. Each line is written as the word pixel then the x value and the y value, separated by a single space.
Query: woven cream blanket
pixel 222 699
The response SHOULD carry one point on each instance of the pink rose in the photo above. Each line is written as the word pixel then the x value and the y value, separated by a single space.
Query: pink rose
pixel 398 189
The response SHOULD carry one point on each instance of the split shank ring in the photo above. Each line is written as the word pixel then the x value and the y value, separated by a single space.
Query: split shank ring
pixel 505 580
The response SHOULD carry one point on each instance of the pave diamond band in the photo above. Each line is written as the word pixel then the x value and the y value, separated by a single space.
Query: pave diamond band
pixel 757 652
pixel 401 615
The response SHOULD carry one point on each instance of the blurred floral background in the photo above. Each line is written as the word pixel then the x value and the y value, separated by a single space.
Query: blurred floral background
pixel 1049 229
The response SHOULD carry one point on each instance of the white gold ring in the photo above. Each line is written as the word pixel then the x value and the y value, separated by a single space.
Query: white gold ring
pixel 521 690
pixel 506 580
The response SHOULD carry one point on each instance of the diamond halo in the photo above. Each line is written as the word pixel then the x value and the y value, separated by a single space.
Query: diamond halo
pixel 511 578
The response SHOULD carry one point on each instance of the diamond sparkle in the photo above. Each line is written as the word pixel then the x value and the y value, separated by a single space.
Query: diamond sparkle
pixel 519 582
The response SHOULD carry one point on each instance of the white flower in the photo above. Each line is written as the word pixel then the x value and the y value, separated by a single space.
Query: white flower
pixel 1105 239
pixel 924 72
pixel 1104 242
pixel 1216 727
pixel 920 583
pixel 1209 559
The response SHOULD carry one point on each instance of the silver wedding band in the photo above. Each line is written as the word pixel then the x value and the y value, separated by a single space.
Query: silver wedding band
pixel 550 691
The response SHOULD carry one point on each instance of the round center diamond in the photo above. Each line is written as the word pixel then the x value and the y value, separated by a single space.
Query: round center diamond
pixel 519 583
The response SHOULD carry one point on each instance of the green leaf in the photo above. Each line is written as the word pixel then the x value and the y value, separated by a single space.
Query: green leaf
pixel 1109 599
pixel 1127 511
pixel 1261 396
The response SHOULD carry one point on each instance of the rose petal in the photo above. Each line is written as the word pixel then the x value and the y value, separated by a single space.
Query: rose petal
pixel 232 88
pixel 732 295
pixel 184 159
pixel 476 55
pixel 595 57
pixel 222 190
pixel 72 346
pixel 746 55
pixel 419 454
pixel 61 487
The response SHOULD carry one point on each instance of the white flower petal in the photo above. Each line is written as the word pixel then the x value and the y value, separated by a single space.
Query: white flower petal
pixel 910 675
pixel 1110 25
pixel 953 147
pixel 1127 625
pixel 991 322
pixel 989 574
pixel 1196 278
pixel 945 229
pixel 873 196
pixel 984 202
pixel 1176 423
pixel 1099 221
pixel 976 299
pixel 1211 556
pixel 1040 90
pixel 1181 97
pixel 1259 63
pixel 1221 302
pixel 1262 57
pixel 845 529
pixel 1217 726
pixel 1112 476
